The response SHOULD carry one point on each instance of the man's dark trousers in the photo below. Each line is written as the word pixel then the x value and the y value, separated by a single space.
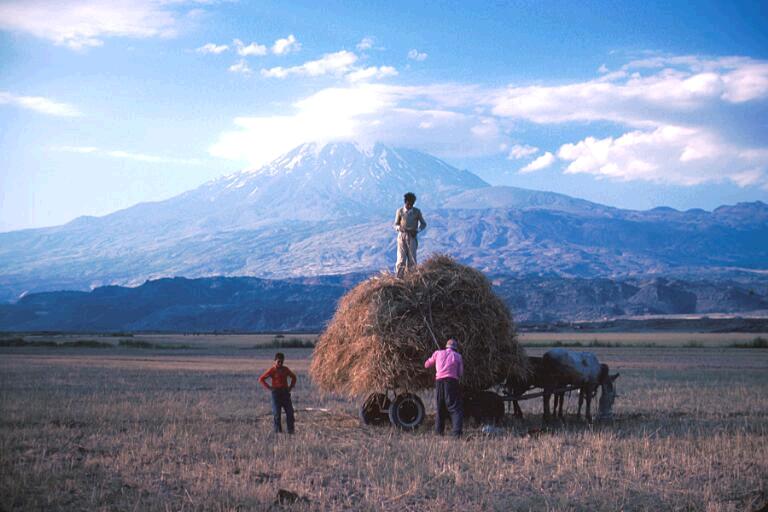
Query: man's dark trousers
pixel 281 399
pixel 448 402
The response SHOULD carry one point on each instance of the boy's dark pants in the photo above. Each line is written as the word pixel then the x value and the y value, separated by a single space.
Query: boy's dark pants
pixel 448 401
pixel 281 398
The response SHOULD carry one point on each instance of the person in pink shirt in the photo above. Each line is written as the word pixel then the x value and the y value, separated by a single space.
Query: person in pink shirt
pixel 449 367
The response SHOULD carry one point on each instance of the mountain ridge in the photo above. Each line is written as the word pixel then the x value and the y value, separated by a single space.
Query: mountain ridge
pixel 247 304
pixel 329 210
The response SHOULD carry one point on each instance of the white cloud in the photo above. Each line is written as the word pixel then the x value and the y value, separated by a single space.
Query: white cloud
pixel 251 49
pixel 682 112
pixel 127 155
pixel 417 55
pixel 286 45
pixel 365 43
pixel 39 104
pixel 540 163
pixel 276 72
pixel 676 121
pixel 332 63
pixel 327 115
pixel 212 48
pixel 371 72
pixel 517 151
pixel 668 154
pixel 240 67
pixel 85 23
pixel 750 177
pixel 485 127
pixel 412 116
pixel 671 90
pixel 747 82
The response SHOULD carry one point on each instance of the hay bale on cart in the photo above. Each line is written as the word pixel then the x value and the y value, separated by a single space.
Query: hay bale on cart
pixel 382 333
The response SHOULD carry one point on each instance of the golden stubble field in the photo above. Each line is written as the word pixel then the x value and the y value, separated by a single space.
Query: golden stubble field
pixel 130 429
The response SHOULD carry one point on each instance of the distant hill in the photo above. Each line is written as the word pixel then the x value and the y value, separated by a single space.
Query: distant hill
pixel 250 304
pixel 523 199
pixel 328 209
pixel 178 305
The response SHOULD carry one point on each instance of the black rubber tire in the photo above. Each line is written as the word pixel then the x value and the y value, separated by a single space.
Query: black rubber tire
pixel 407 412
pixel 374 409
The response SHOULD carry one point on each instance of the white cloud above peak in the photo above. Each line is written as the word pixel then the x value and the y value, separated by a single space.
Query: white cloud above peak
pixel 670 119
pixel 333 113
pixel 79 24
pixel 286 45
pixel 418 116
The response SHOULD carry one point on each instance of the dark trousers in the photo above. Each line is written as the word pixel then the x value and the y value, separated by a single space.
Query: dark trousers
pixel 281 399
pixel 448 402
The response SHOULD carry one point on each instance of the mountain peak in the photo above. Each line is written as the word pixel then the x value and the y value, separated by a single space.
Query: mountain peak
pixel 745 207
pixel 327 208
pixel 327 150
pixel 743 213
pixel 315 181
pixel 368 149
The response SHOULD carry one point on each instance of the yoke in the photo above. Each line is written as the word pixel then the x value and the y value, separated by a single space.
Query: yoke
pixel 529 396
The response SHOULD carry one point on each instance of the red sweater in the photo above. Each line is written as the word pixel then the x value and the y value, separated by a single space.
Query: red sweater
pixel 279 376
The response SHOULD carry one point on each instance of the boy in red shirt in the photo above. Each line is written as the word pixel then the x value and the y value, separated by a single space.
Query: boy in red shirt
pixel 281 391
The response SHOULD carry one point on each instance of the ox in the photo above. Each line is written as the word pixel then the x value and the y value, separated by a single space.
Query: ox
pixel 558 368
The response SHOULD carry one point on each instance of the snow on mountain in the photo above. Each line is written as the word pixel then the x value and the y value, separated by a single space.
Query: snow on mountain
pixel 315 182
pixel 231 225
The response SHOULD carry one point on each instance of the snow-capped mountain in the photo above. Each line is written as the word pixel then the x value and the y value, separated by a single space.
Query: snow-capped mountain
pixel 328 209
pixel 333 181
pixel 231 225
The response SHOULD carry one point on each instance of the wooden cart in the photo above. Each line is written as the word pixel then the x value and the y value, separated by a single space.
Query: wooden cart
pixel 406 410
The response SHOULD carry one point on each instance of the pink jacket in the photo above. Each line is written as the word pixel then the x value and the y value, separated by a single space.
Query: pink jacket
pixel 448 364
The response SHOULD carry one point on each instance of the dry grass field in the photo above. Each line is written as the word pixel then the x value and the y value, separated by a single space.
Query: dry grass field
pixel 131 429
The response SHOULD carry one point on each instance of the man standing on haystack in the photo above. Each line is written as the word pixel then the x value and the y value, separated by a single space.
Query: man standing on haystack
pixel 449 368
pixel 408 223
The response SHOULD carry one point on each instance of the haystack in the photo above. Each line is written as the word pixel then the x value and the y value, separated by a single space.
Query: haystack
pixel 380 335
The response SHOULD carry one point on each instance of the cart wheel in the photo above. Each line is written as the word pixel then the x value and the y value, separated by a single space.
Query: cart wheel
pixel 407 411
pixel 374 409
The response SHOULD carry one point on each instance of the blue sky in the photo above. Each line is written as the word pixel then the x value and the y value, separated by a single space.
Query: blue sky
pixel 104 104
